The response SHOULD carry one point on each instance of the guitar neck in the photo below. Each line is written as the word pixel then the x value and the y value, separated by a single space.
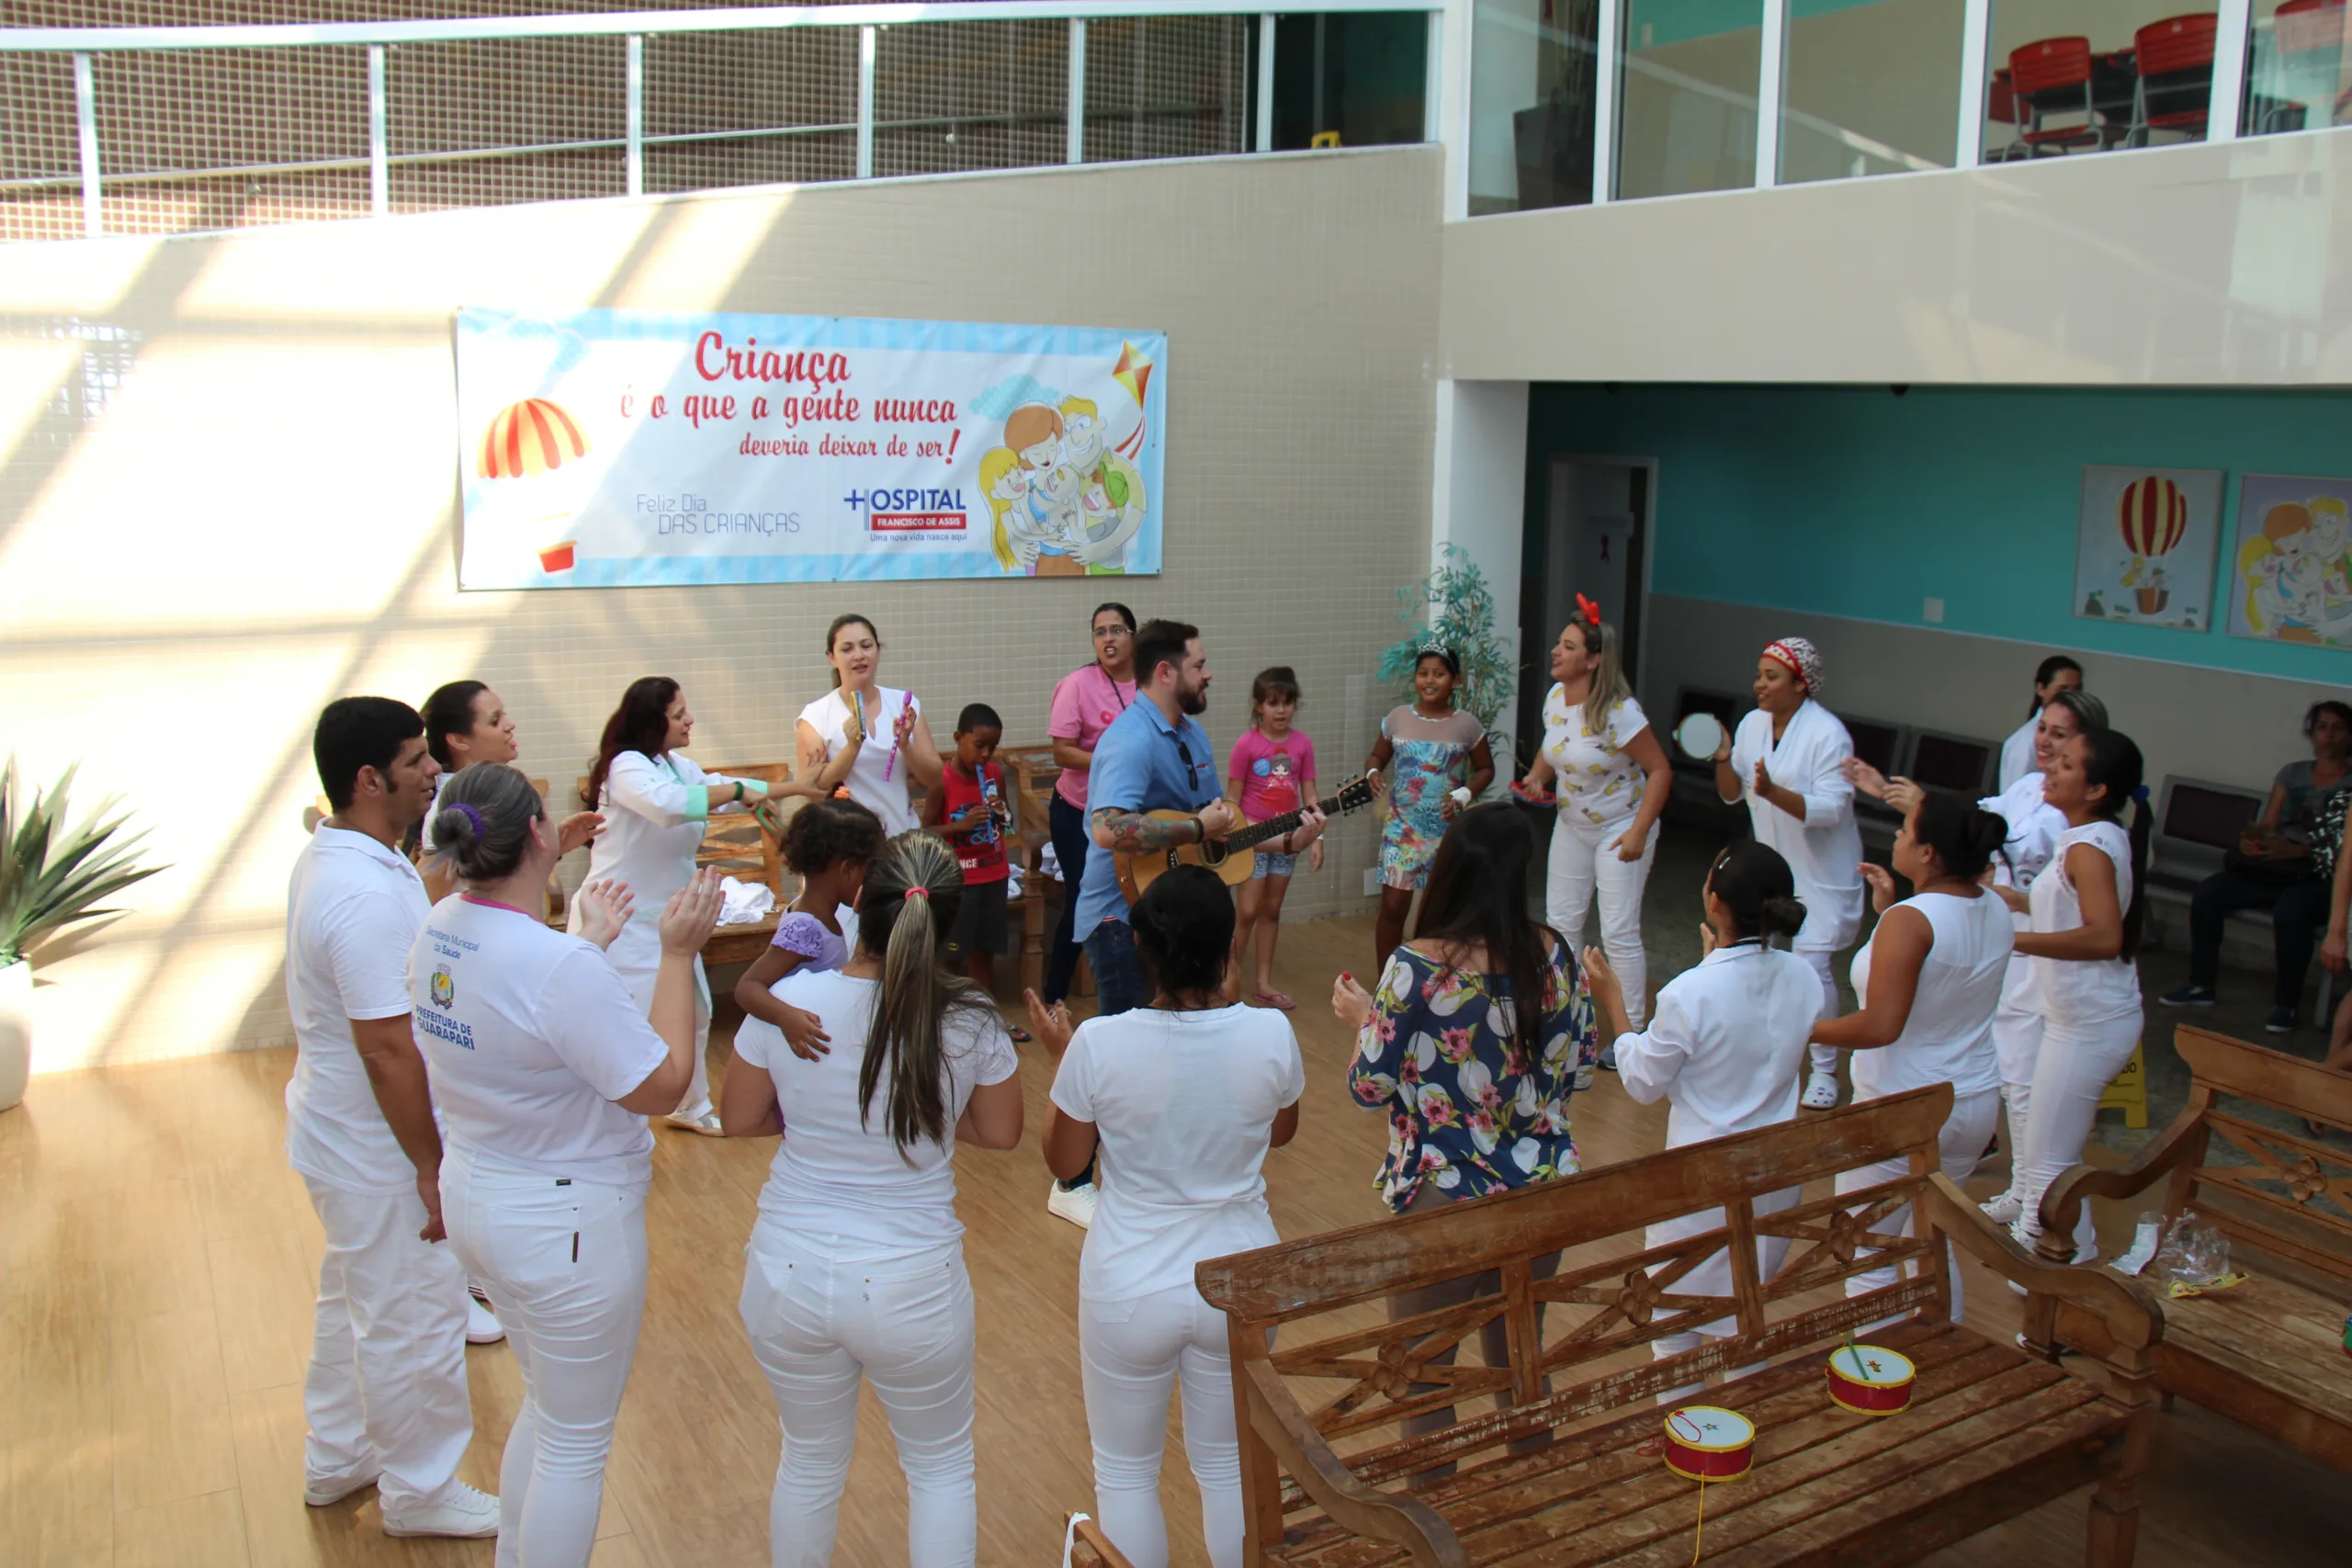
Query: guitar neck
pixel 1275 827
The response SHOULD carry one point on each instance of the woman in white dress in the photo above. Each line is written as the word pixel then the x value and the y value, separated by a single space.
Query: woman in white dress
pixel 854 1273
pixel 544 1069
pixel 2019 752
pixel 1726 1049
pixel 862 736
pixel 1611 780
pixel 1926 984
pixel 655 802
pixel 1786 760
pixel 2087 913
pixel 1183 1097
pixel 2034 827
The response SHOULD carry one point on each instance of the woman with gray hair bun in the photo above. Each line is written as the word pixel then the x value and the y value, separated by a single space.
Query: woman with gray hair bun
pixel 1787 762
pixel 2034 826
pixel 545 1071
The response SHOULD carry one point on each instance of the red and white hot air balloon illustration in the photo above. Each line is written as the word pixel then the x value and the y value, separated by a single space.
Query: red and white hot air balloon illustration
pixel 530 438
pixel 527 440
pixel 2152 514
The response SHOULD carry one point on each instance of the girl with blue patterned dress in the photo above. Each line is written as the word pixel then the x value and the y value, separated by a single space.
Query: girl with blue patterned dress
pixel 1442 764
pixel 1470 1045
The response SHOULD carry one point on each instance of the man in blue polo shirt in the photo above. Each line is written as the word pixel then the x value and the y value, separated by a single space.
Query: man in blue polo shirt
pixel 1155 757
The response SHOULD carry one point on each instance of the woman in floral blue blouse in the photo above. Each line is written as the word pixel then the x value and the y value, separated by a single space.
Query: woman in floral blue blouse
pixel 1476 1090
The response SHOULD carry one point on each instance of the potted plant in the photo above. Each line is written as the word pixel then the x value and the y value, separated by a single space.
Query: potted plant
pixel 1453 605
pixel 50 877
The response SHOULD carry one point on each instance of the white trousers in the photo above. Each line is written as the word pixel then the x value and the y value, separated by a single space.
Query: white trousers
pixel 386 1389
pixel 1959 1146
pixel 1712 1277
pixel 818 1325
pixel 1583 863
pixel 565 1262
pixel 1132 1353
pixel 1823 1058
pixel 2076 1062
pixel 2017 1038
pixel 636 955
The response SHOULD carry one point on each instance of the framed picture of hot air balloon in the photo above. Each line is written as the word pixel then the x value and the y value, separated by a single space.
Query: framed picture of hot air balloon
pixel 2290 575
pixel 2143 552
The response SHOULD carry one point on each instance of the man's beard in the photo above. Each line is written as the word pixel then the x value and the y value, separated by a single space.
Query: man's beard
pixel 1193 703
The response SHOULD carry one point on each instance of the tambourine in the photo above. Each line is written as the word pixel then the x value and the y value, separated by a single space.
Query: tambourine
pixel 1704 1442
pixel 1699 736
pixel 1869 1380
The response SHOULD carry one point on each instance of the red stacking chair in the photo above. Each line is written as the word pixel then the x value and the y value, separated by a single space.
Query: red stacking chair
pixel 2174 62
pixel 2052 77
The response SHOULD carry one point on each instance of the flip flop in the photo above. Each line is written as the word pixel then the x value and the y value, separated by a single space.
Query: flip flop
pixel 1282 999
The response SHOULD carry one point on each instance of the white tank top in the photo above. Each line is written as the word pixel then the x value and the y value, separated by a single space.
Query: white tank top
pixel 2076 991
pixel 1949 1036
pixel 886 796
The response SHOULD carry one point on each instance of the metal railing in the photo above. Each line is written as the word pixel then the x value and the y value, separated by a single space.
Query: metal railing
pixel 85 46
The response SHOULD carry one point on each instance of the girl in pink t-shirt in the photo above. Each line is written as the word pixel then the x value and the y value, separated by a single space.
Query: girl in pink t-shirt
pixel 1271 774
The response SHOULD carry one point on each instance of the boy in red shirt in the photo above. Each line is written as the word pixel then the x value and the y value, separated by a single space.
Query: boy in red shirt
pixel 969 810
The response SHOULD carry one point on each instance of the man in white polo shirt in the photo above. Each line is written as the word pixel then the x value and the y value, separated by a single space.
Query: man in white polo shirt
pixel 385 1397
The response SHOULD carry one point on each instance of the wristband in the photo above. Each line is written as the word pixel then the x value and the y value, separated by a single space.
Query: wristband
pixel 1200 831
pixel 1459 795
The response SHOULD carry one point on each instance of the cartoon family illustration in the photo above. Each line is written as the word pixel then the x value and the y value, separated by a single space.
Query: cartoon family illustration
pixel 2297 572
pixel 1064 503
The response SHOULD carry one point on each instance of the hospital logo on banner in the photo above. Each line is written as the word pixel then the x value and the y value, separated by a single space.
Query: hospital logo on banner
pixel 904 513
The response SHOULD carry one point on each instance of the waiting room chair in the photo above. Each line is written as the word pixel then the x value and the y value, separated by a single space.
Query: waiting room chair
pixel 2306 66
pixel 2052 77
pixel 2174 62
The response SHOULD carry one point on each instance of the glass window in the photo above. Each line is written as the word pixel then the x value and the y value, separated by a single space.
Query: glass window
pixel 1688 99
pixel 1342 81
pixel 1872 87
pixel 2090 75
pixel 1532 83
pixel 2298 72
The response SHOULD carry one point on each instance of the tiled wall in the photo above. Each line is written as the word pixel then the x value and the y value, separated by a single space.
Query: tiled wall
pixel 228 496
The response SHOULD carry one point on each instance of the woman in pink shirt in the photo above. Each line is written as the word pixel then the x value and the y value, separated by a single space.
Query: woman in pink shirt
pixel 1085 703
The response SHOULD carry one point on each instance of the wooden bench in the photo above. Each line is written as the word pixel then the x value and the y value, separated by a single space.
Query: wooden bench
pixel 1993 1432
pixel 2268 1353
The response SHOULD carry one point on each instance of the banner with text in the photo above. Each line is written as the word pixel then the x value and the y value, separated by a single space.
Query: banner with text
pixel 629 448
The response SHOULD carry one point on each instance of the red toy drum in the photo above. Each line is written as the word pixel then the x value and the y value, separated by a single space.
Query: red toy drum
pixel 1704 1443
pixel 1869 1380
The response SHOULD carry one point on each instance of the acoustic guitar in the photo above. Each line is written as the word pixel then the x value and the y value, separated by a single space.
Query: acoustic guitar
pixel 1231 857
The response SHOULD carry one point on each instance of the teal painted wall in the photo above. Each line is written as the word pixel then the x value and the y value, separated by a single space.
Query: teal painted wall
pixel 1677 21
pixel 1848 501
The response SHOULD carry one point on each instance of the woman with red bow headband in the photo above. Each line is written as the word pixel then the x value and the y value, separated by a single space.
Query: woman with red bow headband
pixel 1612 779
pixel 1787 760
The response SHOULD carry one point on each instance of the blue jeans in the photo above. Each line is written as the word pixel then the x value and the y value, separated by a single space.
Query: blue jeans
pixel 1118 973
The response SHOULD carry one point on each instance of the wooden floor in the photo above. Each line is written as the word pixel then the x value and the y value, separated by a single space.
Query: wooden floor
pixel 160 1260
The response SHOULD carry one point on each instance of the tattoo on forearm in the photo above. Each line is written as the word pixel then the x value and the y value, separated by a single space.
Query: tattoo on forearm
pixel 1134 833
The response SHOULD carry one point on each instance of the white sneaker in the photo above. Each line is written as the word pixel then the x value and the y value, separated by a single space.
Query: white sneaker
pixel 1585 1076
pixel 483 1326
pixel 1820 1092
pixel 2003 1210
pixel 326 1491
pixel 462 1513
pixel 1075 1204
pixel 707 1124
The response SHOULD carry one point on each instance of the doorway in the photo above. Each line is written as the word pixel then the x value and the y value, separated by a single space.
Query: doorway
pixel 1591 537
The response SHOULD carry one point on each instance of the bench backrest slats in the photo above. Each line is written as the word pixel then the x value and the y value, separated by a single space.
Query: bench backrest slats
pixel 1318 1274
pixel 2267 1183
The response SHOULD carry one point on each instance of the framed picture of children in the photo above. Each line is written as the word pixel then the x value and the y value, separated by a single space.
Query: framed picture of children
pixel 2290 577
pixel 2143 549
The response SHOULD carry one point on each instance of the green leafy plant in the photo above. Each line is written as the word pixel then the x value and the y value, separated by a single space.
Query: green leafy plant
pixel 1453 607
pixel 52 877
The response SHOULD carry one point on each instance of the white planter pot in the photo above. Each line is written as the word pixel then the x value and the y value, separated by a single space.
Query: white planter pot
pixel 15 1031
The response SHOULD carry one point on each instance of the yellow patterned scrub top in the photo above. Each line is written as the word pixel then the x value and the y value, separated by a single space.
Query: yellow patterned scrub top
pixel 1598 781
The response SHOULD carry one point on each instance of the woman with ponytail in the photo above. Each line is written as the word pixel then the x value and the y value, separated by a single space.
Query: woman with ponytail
pixel 544 1070
pixel 1184 1096
pixel 2087 913
pixel 856 1267
pixel 1926 984
pixel 1726 1048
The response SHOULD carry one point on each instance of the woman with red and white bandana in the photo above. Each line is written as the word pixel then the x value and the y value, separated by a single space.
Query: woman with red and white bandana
pixel 1787 760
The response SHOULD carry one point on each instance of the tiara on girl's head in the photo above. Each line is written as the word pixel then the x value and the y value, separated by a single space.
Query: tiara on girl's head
pixel 1433 645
